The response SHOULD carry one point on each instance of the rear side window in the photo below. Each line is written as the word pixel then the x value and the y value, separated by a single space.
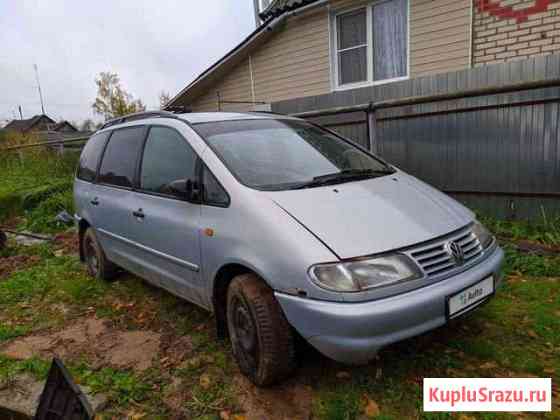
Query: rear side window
pixel 89 160
pixel 212 192
pixel 168 163
pixel 121 156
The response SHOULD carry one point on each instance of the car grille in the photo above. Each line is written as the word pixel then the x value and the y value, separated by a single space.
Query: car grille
pixel 436 260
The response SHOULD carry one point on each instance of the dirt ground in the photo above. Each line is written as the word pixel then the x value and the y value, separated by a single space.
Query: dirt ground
pixel 141 349
pixel 290 400
pixel 9 265
pixel 119 349
pixel 67 243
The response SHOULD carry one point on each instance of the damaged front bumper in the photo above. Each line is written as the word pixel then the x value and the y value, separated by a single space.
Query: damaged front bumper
pixel 354 332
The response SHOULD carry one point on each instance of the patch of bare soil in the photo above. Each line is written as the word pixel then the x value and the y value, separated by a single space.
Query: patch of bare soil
pixel 93 338
pixel 174 350
pixel 289 400
pixel 13 222
pixel 67 243
pixel 533 247
pixel 9 265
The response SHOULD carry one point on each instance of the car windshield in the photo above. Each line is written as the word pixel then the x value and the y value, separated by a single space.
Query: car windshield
pixel 275 154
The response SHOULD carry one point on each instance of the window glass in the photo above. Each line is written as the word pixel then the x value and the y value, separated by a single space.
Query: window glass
pixel 89 160
pixel 168 163
pixel 390 39
pixel 352 31
pixel 387 27
pixel 281 154
pixel 213 193
pixel 121 156
pixel 352 47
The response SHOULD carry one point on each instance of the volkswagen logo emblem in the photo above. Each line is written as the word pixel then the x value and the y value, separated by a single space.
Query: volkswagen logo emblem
pixel 455 252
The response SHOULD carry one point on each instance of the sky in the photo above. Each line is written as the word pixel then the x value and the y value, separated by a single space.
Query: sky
pixel 153 46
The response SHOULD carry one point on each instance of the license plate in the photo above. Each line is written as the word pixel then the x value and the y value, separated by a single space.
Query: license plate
pixel 469 297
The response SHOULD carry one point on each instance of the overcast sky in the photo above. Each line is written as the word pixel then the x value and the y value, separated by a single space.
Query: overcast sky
pixel 153 45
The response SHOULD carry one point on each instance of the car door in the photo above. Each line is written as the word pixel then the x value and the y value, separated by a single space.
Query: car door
pixel 111 197
pixel 166 226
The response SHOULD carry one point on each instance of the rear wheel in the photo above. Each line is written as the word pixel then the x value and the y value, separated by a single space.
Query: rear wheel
pixel 98 266
pixel 262 339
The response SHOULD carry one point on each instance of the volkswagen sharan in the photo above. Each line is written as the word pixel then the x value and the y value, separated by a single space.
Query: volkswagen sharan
pixel 281 228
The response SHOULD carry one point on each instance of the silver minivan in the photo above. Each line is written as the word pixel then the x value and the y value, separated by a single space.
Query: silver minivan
pixel 281 228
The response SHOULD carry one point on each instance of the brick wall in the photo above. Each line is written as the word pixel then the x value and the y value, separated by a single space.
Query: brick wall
pixel 514 29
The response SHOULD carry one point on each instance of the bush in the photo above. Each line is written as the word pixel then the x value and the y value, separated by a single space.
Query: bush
pixel 42 217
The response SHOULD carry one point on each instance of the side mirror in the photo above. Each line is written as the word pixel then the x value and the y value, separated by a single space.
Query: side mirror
pixel 192 191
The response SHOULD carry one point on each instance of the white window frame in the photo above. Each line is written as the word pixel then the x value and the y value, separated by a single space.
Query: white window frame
pixel 334 52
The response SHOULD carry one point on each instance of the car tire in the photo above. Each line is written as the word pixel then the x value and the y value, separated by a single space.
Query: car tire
pixel 98 266
pixel 261 337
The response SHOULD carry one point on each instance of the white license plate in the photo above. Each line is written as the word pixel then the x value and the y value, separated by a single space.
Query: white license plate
pixel 470 296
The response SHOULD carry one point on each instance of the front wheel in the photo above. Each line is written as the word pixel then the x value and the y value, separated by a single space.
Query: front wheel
pixel 262 339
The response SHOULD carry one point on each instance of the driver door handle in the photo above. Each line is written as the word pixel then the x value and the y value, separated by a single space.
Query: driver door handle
pixel 139 213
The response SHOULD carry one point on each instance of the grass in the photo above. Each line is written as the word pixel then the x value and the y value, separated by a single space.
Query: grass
pixel 545 230
pixel 523 318
pixel 37 185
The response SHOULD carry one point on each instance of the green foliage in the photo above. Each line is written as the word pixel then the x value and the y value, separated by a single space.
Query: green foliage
pixel 121 386
pixel 42 218
pixel 10 368
pixel 545 230
pixel 112 100
pixel 34 197
pixel 7 332
pixel 341 403
pixel 31 293
pixel 39 183
pixel 530 264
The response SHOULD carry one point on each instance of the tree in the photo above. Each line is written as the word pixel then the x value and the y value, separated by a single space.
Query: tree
pixel 87 125
pixel 112 100
pixel 164 99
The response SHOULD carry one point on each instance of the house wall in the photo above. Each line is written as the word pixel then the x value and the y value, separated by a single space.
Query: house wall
pixel 440 32
pixel 296 61
pixel 523 31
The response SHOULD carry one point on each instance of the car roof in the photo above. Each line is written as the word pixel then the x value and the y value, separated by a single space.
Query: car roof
pixel 193 118
pixel 204 117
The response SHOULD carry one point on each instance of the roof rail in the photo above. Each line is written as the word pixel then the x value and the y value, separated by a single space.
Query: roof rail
pixel 138 116
pixel 267 112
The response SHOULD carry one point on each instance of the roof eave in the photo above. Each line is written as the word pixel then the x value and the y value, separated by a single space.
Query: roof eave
pixel 246 45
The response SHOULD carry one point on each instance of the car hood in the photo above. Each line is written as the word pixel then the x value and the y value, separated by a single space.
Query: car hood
pixel 375 215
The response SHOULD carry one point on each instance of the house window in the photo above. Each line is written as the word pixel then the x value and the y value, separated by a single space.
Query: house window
pixel 371 43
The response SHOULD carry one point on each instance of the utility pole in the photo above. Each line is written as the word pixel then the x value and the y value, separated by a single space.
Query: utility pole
pixel 39 87
pixel 20 113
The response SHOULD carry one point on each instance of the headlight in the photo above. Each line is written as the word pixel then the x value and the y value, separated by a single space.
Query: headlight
pixel 484 236
pixel 355 276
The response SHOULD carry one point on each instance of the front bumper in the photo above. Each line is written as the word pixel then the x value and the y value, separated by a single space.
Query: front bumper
pixel 354 332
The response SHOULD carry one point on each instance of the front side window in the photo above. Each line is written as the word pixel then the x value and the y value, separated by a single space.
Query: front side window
pixel 371 43
pixel 272 154
pixel 212 192
pixel 89 160
pixel 121 157
pixel 168 164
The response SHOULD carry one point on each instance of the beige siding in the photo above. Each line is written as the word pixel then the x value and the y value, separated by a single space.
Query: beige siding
pixel 296 62
pixel 235 86
pixel 440 32
pixel 293 63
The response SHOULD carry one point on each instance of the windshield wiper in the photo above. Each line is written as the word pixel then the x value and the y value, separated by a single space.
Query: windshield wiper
pixel 346 175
